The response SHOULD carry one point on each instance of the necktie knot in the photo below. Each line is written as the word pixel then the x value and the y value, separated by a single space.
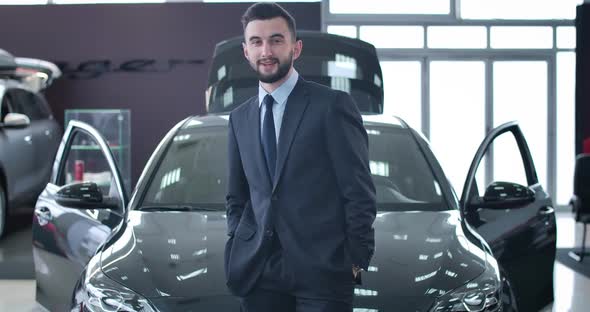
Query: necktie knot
pixel 268 101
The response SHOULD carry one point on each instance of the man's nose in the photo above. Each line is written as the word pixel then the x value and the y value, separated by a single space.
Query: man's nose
pixel 266 49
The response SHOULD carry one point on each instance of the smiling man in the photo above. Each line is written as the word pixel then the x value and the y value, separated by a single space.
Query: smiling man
pixel 300 199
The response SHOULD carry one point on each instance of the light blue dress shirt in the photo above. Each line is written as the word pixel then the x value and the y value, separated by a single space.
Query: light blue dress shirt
pixel 280 95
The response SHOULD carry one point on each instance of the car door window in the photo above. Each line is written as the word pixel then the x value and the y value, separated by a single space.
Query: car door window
pixel 41 106
pixel 508 164
pixel 86 162
pixel 507 167
pixel 479 184
pixel 6 107
pixel 17 102
pixel 27 104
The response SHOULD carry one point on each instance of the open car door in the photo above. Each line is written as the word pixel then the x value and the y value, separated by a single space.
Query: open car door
pixel 514 215
pixel 82 205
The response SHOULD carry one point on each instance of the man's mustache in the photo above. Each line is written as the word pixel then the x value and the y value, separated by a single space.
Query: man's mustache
pixel 268 60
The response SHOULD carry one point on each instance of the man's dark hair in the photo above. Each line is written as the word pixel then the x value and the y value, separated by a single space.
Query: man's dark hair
pixel 266 11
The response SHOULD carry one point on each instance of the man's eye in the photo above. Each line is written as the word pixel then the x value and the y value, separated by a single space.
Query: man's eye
pixel 278 40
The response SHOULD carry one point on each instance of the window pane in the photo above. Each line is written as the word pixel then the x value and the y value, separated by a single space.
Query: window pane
pixel 393 36
pixel 347 31
pixel 521 37
pixel 457 125
pixel 457 37
pixel 14 2
pixel 520 93
pixel 390 7
pixel 105 1
pixel 521 9
pixel 566 37
pixel 565 134
pixel 403 91
pixel 230 1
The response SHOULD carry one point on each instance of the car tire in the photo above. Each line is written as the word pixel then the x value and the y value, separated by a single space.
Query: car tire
pixel 3 204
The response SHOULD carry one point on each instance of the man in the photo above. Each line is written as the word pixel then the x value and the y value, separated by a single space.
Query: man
pixel 300 201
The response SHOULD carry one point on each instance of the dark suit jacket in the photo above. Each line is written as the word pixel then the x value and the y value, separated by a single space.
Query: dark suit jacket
pixel 321 204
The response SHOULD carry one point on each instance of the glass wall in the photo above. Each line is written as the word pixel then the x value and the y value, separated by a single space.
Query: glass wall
pixel 479 63
pixel 517 57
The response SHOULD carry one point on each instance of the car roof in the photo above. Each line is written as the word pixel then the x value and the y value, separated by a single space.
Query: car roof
pixel 7 61
pixel 212 120
pixel 26 73
pixel 7 64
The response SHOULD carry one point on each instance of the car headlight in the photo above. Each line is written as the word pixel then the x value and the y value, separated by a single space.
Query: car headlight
pixel 480 294
pixel 105 295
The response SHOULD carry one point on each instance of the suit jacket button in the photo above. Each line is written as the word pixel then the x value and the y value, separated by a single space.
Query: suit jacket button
pixel 275 198
pixel 268 233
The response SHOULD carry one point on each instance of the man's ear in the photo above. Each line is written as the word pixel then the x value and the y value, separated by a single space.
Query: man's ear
pixel 297 50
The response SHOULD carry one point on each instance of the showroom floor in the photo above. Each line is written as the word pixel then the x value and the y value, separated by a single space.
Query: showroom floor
pixel 571 288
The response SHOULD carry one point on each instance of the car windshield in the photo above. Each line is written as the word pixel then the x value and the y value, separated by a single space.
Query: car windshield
pixel 193 172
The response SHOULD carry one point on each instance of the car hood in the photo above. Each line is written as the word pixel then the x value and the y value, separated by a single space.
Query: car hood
pixel 421 254
pixel 177 258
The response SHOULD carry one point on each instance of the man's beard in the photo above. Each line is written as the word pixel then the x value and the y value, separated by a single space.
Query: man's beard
pixel 282 71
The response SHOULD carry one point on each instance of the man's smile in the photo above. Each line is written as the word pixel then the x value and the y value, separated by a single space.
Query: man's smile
pixel 268 63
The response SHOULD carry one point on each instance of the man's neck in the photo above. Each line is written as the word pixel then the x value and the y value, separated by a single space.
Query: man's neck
pixel 270 87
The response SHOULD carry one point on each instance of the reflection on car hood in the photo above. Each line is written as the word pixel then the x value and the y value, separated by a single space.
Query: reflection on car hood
pixel 418 255
pixel 169 254
pixel 176 258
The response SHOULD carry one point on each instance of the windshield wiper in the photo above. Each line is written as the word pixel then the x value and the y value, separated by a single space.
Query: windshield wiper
pixel 177 208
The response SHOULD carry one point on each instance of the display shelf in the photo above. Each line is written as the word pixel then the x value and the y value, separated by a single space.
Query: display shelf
pixel 96 147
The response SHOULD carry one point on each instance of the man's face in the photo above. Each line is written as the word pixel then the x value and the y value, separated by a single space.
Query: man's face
pixel 270 48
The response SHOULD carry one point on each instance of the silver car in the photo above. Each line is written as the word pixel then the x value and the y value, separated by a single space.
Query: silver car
pixel 29 135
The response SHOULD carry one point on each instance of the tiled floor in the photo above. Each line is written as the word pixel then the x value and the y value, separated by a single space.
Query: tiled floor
pixel 17 295
pixel 572 290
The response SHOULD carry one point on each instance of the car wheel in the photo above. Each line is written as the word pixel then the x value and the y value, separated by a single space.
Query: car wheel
pixel 508 298
pixel 2 210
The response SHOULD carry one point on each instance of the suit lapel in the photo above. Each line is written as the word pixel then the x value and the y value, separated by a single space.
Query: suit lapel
pixel 254 124
pixel 296 105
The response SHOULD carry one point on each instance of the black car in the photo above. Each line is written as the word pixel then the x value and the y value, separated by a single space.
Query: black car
pixel 162 249
pixel 29 135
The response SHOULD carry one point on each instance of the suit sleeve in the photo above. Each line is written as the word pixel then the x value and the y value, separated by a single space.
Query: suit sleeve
pixel 237 190
pixel 348 148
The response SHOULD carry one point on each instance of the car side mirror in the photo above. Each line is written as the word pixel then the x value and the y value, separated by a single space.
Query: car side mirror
pixel 14 120
pixel 84 195
pixel 504 195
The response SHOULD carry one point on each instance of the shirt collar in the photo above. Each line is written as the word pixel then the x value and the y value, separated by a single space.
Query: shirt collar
pixel 281 93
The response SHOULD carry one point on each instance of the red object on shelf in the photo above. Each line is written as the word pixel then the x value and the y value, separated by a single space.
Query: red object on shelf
pixel 79 170
pixel 586 146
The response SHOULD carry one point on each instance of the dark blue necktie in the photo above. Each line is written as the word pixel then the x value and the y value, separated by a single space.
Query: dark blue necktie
pixel 269 138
